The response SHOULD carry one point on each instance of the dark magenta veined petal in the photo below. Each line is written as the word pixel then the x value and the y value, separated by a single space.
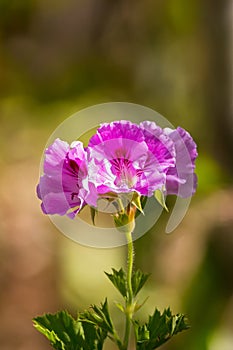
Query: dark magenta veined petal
pixel 159 144
pixel 122 129
pixel 60 188
pixel 126 157
pixel 119 139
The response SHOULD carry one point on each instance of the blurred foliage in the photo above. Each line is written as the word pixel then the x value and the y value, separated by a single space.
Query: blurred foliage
pixel 210 174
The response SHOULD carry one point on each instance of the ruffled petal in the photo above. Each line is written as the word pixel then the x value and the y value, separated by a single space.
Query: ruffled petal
pixel 160 145
pixel 182 180
pixel 54 157
pixel 126 157
pixel 60 188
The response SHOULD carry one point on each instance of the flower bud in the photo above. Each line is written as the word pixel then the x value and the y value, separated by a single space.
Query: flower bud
pixel 125 222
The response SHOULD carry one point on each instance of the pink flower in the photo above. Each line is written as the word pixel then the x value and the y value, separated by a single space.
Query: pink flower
pixel 122 157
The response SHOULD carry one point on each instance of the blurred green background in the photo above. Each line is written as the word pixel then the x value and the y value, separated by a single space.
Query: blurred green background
pixel 57 57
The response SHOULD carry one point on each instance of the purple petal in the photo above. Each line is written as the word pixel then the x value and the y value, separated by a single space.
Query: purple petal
pixel 120 139
pixel 122 129
pixel 159 144
pixel 55 203
pixel 182 180
pixel 60 188
pixel 38 192
pixel 54 157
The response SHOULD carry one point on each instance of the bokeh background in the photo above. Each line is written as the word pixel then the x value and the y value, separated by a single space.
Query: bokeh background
pixel 57 57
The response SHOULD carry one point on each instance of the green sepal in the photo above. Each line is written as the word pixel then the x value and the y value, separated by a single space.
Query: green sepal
pixel 121 219
pixel 143 200
pixel 159 329
pixel 138 306
pixel 118 279
pixel 159 196
pixel 93 214
pixel 71 210
pixel 120 307
pixel 136 201
pixel 124 222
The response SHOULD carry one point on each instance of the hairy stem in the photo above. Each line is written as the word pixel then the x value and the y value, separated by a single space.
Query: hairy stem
pixel 130 266
pixel 129 301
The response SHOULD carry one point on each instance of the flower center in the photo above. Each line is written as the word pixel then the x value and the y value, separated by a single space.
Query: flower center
pixel 126 174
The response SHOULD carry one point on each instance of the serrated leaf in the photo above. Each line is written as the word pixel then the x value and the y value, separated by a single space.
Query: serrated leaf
pixel 94 336
pixel 99 316
pixel 118 279
pixel 159 329
pixel 138 281
pixel 159 196
pixel 101 319
pixel 66 333
pixel 63 332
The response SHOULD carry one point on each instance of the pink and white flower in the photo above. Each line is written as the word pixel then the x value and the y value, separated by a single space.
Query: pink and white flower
pixel 122 157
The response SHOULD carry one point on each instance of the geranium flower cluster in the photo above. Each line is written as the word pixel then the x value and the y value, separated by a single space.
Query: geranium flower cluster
pixel 121 158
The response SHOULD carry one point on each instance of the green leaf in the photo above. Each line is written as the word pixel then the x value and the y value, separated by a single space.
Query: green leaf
pixel 159 195
pixel 138 281
pixel 99 316
pixel 94 336
pixel 66 333
pixel 118 279
pixel 63 332
pixel 159 329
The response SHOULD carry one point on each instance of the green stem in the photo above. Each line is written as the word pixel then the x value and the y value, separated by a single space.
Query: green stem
pixel 130 266
pixel 129 301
